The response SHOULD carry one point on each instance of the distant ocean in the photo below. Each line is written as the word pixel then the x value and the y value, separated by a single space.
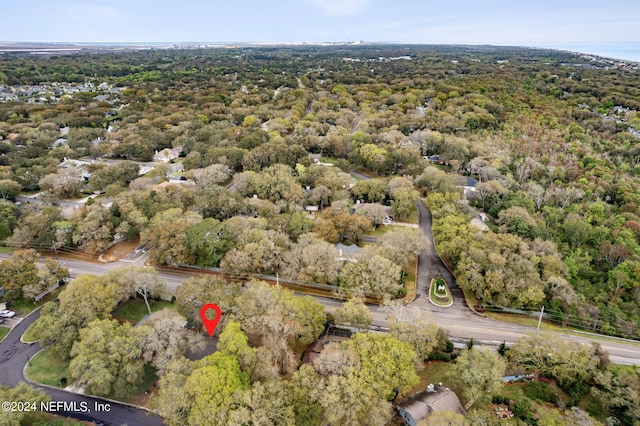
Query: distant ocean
pixel 629 51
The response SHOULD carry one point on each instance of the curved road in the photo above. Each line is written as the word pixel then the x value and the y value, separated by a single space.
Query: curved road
pixel 463 323
pixel 14 355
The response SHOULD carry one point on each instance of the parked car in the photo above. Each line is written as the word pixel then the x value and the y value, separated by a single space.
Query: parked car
pixel 7 314
pixel 1 320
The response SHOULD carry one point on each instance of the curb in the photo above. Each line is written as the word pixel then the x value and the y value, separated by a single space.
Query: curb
pixel 35 341
pixel 448 291
pixel 113 401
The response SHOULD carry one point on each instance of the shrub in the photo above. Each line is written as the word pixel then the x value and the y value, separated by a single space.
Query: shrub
pixel 502 349
pixel 540 391
pixel 522 410
pixel 499 399
pixel 439 356
pixel 448 348
pixel 576 391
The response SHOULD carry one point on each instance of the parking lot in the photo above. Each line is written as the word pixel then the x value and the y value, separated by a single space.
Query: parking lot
pixel 11 322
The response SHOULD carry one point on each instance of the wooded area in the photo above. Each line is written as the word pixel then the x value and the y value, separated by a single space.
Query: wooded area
pixel 242 158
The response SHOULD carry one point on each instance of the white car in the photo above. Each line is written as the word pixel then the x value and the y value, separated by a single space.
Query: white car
pixel 7 314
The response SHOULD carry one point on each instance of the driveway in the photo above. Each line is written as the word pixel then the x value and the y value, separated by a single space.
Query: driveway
pixel 14 355
pixel 431 266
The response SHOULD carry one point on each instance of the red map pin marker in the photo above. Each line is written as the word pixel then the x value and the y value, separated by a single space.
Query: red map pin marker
pixel 210 324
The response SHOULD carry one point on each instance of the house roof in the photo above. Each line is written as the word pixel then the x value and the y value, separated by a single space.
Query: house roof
pixel 469 181
pixel 350 249
pixel 418 408
pixel 70 162
pixel 422 404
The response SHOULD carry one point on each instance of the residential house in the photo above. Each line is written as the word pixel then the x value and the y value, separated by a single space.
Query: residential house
pixel 59 142
pixel 421 405
pixel 469 187
pixel 78 164
pixel 432 158
pixel 167 154
pixel 315 158
pixel 70 162
pixel 347 252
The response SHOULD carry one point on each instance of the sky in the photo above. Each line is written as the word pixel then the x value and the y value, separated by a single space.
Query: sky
pixel 502 22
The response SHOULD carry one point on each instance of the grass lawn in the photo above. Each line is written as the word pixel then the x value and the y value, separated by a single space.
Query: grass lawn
pixel 438 299
pixel 30 335
pixel 410 280
pixel 133 310
pixel 434 372
pixel 380 231
pixel 3 332
pixel 47 369
pixel 524 320
pixel 6 250
pixel 414 217
pixel 23 307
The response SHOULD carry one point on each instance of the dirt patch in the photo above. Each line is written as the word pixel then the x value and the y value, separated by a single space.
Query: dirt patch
pixel 143 398
pixel 120 250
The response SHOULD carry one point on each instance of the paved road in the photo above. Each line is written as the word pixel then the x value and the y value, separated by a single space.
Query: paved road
pixel 431 266
pixel 14 355
pixel 358 175
pixel 458 319
pixel 461 322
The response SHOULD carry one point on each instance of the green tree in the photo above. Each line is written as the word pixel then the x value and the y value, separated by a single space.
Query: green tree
pixel 278 185
pixel 386 364
pixel 402 246
pixel 23 393
pixel 569 362
pixel 36 229
pixel 354 313
pixel 479 372
pixel 619 393
pixel 208 242
pixel 373 157
pixel 359 377
pixel 20 273
pixel 8 219
pixel 403 199
pixel 9 189
pixel 414 328
pixel 301 391
pixel 83 300
pixel 371 191
pixel 167 234
pixel 233 341
pixel 107 358
pixel 311 260
pixel 196 292
pixel 214 386
pixel 170 400
pixel 164 338
pixel 137 281
pixel 92 228
pixel 370 274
